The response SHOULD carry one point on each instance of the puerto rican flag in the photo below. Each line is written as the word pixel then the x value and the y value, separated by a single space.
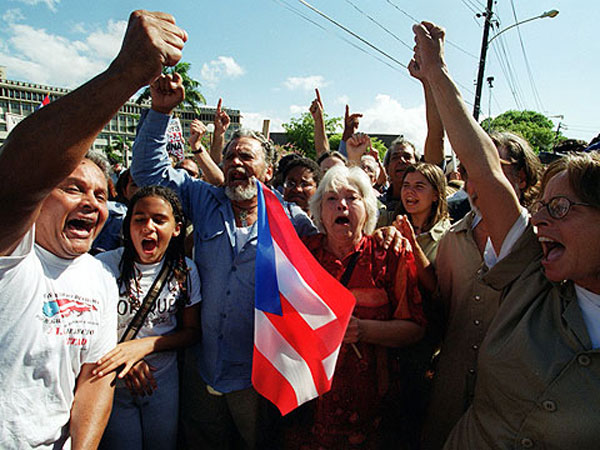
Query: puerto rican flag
pixel 300 316
pixel 44 102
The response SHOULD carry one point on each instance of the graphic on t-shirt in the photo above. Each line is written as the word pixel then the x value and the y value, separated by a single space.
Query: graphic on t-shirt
pixel 65 307
pixel 72 317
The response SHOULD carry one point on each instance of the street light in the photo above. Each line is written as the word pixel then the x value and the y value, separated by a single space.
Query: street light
pixel 486 42
pixel 551 14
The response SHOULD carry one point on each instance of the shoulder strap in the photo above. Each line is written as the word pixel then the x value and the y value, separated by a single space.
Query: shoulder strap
pixel 349 269
pixel 138 320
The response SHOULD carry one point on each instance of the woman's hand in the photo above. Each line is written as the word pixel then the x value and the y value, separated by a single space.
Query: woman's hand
pixel 139 379
pixel 403 225
pixel 353 332
pixel 391 237
pixel 126 353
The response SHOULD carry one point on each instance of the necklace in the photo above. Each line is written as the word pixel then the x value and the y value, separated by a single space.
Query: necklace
pixel 243 214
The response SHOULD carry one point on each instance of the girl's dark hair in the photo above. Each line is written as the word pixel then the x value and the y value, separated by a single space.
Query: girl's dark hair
pixel 175 253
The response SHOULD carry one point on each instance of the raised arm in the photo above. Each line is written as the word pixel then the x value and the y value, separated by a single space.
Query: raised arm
pixel 350 128
pixel 221 122
pixel 212 173
pixel 56 137
pixel 434 141
pixel 316 110
pixel 357 146
pixel 498 202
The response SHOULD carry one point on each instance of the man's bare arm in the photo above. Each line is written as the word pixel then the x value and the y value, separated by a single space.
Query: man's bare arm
pixel 434 141
pixel 316 110
pixel 47 146
pixel 91 408
pixel 221 123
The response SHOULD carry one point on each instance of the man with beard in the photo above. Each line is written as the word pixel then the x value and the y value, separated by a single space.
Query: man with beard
pixel 58 304
pixel 219 406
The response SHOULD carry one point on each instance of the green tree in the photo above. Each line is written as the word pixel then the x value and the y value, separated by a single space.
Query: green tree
pixel 536 128
pixel 300 131
pixel 193 97
pixel 378 145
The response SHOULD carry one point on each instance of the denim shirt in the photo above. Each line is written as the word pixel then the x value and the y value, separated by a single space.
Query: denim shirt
pixel 224 353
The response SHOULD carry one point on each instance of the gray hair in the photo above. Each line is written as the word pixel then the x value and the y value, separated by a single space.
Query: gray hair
pixel 337 178
pixel 400 141
pixel 100 160
pixel 269 150
pixel 369 161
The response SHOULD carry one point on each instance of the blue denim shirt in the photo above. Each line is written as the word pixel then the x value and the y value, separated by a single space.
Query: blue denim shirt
pixel 224 353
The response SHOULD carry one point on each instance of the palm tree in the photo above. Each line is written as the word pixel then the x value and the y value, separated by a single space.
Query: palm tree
pixel 193 97
pixel 117 149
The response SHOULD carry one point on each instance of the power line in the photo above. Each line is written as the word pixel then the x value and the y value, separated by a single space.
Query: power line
pixel 470 7
pixel 379 25
pixel 357 47
pixel 352 33
pixel 536 96
pixel 466 52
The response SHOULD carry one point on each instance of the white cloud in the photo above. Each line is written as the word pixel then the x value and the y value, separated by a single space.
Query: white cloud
pixel 388 116
pixel 343 100
pixel 297 109
pixel 51 4
pixel 305 83
pixel 222 67
pixel 106 43
pixel 13 16
pixel 254 121
pixel 35 55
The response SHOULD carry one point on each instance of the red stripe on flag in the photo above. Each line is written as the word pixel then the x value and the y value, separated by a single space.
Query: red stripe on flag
pixel 312 345
pixel 321 281
pixel 271 384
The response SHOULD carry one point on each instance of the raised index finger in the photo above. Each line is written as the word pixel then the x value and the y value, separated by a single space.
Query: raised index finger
pixel 219 103
pixel 318 96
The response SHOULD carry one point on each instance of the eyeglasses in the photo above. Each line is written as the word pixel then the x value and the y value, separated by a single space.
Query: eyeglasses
pixel 291 184
pixel 558 207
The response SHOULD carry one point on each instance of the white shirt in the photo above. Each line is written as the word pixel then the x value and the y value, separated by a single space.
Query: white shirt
pixel 55 315
pixel 162 317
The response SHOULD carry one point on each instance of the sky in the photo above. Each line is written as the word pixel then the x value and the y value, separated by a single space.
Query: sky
pixel 266 57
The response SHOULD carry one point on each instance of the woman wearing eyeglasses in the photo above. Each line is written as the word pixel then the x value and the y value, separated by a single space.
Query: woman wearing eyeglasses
pixel 538 382
pixel 301 179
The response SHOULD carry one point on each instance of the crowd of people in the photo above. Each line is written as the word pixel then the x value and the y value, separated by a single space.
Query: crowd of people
pixel 477 317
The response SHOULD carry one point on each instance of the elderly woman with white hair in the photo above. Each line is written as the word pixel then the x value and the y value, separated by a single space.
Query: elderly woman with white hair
pixel 388 311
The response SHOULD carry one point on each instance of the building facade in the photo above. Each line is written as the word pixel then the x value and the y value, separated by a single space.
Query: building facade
pixel 18 99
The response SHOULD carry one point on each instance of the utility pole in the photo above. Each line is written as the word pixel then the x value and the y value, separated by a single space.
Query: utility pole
pixel 484 46
pixel 556 136
pixel 490 82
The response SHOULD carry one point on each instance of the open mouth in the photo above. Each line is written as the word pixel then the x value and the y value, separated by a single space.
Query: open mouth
pixel 411 201
pixel 237 175
pixel 552 250
pixel 81 227
pixel 149 245
pixel 342 220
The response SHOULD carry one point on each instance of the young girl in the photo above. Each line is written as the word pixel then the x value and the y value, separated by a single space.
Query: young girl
pixel 145 409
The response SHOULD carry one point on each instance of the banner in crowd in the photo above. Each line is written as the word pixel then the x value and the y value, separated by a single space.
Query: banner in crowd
pixel 12 120
pixel 175 140
pixel 301 313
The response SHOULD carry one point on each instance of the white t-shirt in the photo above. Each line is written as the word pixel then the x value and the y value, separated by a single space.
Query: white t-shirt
pixel 55 316
pixel 162 317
